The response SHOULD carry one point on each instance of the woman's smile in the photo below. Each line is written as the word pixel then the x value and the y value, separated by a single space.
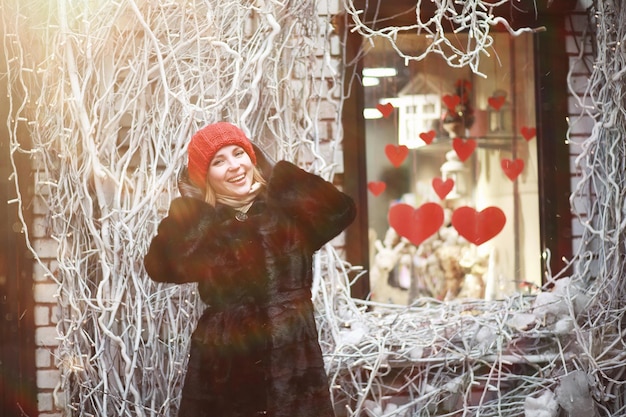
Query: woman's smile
pixel 238 178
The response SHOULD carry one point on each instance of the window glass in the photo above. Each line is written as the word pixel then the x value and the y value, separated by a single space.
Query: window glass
pixel 452 172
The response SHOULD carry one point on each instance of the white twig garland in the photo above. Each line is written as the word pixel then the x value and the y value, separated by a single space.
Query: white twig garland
pixel 520 356
pixel 109 94
pixel 475 17
pixel 105 96
pixel 602 163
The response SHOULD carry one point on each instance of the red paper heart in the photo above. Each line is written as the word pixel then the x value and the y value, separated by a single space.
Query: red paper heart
pixel 528 132
pixel 441 187
pixel 478 227
pixel 463 147
pixel 496 102
pixel 385 109
pixel 376 187
pixel 451 101
pixel 512 168
pixel 428 137
pixel 417 224
pixel 396 154
pixel 464 84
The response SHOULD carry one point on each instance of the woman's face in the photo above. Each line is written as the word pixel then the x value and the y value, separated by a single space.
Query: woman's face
pixel 230 172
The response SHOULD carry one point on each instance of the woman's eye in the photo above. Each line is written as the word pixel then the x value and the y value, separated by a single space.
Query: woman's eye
pixel 239 153
pixel 217 162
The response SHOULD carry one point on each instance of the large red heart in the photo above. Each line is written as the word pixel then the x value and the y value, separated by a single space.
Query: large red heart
pixel 478 227
pixel 463 147
pixel 396 154
pixel 441 187
pixel 451 101
pixel 376 187
pixel 428 137
pixel 512 168
pixel 385 109
pixel 417 224
pixel 496 102
pixel 528 132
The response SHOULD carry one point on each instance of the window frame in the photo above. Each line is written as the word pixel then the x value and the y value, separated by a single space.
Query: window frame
pixel 551 94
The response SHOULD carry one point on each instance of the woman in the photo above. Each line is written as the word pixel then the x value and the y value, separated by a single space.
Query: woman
pixel 249 245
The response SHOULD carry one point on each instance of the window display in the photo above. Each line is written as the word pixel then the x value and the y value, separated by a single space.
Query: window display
pixel 452 173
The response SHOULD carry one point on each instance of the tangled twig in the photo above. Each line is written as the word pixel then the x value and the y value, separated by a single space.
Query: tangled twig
pixel 109 95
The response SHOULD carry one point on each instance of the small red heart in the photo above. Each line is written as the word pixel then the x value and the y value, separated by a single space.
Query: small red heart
pixel 385 109
pixel 451 101
pixel 428 137
pixel 478 227
pixel 396 154
pixel 417 224
pixel 512 168
pixel 463 147
pixel 441 187
pixel 528 132
pixel 464 84
pixel 376 187
pixel 496 102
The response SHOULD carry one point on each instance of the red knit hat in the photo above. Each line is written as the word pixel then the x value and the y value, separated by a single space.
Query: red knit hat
pixel 207 141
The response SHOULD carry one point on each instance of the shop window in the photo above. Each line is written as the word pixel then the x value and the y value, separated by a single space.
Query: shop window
pixel 462 177
pixel 457 152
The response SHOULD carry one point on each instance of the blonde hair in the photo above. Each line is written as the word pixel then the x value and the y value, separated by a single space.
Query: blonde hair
pixel 209 192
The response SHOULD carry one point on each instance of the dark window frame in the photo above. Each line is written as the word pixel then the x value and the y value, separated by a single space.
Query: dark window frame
pixel 551 94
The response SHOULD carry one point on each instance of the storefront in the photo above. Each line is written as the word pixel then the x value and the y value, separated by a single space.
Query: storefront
pixel 438 134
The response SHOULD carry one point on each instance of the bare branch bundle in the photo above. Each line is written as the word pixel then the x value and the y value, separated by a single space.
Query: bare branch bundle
pixel 109 94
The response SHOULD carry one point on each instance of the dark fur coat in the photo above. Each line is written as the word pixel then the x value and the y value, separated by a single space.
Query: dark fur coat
pixel 255 350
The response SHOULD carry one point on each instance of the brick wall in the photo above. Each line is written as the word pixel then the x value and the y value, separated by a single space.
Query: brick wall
pixel 45 291
pixel 579 50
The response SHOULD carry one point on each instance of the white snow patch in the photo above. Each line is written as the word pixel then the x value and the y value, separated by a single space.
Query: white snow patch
pixel 545 405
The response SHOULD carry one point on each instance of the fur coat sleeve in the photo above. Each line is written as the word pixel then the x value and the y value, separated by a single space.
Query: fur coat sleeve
pixel 178 237
pixel 314 205
pixel 317 206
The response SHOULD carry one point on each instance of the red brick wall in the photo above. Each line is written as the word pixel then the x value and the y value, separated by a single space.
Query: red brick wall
pixel 579 50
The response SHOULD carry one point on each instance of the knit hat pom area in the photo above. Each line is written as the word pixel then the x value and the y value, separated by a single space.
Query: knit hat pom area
pixel 207 141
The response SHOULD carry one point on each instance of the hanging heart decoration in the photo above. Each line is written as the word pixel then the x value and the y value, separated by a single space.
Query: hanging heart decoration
pixel 417 224
pixel 463 147
pixel 512 168
pixel 496 102
pixel 428 137
pixel 451 101
pixel 478 227
pixel 441 187
pixel 528 132
pixel 464 85
pixel 376 187
pixel 385 109
pixel 396 154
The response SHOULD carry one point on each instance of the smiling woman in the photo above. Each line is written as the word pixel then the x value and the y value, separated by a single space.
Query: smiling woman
pixel 249 245
pixel 222 163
